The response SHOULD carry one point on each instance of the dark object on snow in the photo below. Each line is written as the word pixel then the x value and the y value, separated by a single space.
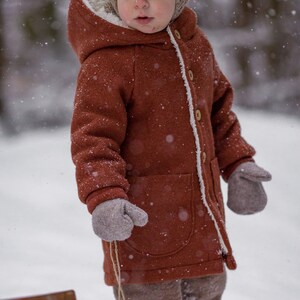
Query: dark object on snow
pixel 66 295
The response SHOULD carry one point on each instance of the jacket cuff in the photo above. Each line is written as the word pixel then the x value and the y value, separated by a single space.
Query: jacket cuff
pixel 105 194
pixel 225 173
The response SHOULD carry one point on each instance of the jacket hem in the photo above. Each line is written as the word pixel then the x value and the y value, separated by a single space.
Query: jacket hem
pixel 164 274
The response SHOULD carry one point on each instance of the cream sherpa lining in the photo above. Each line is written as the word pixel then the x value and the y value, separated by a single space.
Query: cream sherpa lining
pixel 103 9
pixel 197 140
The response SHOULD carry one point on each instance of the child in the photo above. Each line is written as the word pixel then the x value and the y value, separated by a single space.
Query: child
pixel 152 131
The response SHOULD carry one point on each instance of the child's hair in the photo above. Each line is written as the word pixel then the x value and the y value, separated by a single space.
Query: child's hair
pixel 179 5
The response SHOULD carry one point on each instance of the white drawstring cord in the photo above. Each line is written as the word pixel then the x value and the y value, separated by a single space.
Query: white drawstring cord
pixel 117 268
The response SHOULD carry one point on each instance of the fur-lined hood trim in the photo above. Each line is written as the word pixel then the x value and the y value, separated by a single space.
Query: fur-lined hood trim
pixel 93 25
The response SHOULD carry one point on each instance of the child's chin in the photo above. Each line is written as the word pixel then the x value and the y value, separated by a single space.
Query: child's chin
pixel 149 30
pixel 145 29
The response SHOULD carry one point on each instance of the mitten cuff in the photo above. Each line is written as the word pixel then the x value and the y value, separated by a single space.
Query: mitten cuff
pixel 231 168
pixel 102 195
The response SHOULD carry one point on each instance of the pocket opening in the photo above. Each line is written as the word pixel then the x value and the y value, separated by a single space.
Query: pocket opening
pixel 217 192
pixel 168 200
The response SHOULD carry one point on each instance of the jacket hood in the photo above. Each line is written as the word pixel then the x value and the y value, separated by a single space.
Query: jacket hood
pixel 93 25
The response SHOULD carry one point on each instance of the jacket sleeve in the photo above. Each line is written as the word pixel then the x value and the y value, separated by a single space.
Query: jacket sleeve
pixel 98 129
pixel 231 148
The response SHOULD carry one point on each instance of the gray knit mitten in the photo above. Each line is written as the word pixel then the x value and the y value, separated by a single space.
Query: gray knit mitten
pixel 246 194
pixel 113 220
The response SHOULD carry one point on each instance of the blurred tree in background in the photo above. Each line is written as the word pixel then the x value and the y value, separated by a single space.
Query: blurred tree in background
pixel 2 60
pixel 41 24
pixel 40 70
pixel 259 43
pixel 256 42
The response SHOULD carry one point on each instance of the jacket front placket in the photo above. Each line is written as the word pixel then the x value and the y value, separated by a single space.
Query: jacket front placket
pixel 177 41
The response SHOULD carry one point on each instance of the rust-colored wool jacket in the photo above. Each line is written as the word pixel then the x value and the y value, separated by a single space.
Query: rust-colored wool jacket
pixel 153 124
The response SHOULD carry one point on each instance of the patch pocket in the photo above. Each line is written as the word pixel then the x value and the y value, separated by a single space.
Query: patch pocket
pixel 215 170
pixel 168 201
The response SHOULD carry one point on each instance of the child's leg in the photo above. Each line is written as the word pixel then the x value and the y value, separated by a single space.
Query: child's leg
pixel 167 290
pixel 204 288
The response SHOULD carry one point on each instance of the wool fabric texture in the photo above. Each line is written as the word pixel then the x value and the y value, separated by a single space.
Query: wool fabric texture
pixel 153 124
pixel 246 194
pixel 114 219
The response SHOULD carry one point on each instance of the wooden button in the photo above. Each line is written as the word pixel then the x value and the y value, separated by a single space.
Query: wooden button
pixel 191 75
pixel 198 115
pixel 203 157
pixel 177 34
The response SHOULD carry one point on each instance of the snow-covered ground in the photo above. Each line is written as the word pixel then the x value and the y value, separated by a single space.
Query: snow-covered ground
pixel 47 243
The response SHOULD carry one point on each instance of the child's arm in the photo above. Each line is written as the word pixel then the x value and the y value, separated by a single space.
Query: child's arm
pixel 246 194
pixel 231 148
pixel 98 130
